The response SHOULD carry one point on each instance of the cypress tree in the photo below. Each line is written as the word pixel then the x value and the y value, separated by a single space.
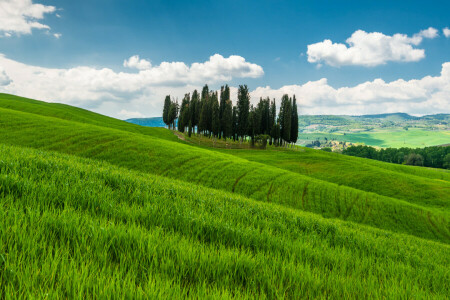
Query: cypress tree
pixel 204 115
pixel 294 122
pixel 173 113
pixel 243 106
pixel 287 121
pixel 224 97
pixel 183 119
pixel 285 118
pixel 272 119
pixel 234 123
pixel 281 115
pixel 213 97
pixel 215 117
pixel 195 109
pixel 227 120
pixel 166 108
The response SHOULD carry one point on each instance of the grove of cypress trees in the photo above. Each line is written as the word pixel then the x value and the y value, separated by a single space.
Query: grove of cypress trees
pixel 210 115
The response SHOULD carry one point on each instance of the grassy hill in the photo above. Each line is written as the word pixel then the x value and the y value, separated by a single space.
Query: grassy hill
pixel 71 113
pixel 142 194
pixel 86 228
pixel 230 173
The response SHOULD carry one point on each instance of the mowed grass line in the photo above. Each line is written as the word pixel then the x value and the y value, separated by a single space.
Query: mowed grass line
pixel 221 171
pixel 76 228
pixel 361 174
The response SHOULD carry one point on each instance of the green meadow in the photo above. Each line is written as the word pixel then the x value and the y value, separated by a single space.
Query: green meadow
pixel 412 138
pixel 94 207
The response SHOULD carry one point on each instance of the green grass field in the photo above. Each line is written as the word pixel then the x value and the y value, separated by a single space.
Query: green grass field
pixel 412 138
pixel 91 207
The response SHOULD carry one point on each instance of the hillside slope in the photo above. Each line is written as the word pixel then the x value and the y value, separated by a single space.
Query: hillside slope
pixel 72 227
pixel 72 113
pixel 417 185
pixel 228 173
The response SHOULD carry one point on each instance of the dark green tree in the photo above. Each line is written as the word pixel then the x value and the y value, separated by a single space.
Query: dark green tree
pixel 234 124
pixel 204 115
pixel 166 108
pixel 243 106
pixel 414 159
pixel 294 122
pixel 184 116
pixel 276 133
pixel 272 119
pixel 173 114
pixel 224 97
pixel 285 118
pixel 215 127
pixel 195 109
pixel 227 120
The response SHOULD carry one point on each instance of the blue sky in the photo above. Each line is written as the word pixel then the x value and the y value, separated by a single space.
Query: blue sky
pixel 272 35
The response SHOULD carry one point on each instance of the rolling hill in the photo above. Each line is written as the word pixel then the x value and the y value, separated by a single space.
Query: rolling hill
pixel 207 222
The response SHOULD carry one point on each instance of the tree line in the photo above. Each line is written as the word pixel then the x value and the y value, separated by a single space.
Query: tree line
pixel 214 115
pixel 434 157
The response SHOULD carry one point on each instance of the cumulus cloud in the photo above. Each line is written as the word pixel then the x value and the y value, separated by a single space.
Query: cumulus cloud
pixel 93 88
pixel 446 32
pixel 370 49
pixel 21 16
pixel 429 33
pixel 125 95
pixel 418 96
pixel 135 62
pixel 57 35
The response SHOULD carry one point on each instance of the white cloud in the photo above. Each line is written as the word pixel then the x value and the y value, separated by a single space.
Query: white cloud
pixel 105 89
pixel 429 33
pixel 135 62
pixel 417 96
pixel 370 49
pixel 57 35
pixel 124 95
pixel 125 114
pixel 446 32
pixel 4 78
pixel 21 16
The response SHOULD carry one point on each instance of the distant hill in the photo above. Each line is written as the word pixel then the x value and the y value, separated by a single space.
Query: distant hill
pixel 342 120
pixel 149 122
pixel 392 116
